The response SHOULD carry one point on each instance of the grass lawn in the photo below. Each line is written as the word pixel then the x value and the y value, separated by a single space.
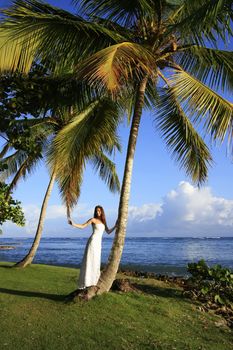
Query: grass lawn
pixel 34 316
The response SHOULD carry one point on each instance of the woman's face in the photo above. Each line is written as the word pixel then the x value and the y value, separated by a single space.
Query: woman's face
pixel 98 212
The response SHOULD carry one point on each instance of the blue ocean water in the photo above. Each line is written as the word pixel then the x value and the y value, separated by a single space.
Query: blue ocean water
pixel 156 254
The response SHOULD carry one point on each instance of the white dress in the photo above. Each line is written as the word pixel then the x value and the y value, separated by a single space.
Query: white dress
pixel 90 268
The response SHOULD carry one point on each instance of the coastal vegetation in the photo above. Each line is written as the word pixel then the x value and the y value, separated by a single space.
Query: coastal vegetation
pixel 213 286
pixel 156 55
pixel 34 315
pixel 10 209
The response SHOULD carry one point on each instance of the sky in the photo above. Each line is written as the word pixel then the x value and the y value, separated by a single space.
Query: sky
pixel 164 202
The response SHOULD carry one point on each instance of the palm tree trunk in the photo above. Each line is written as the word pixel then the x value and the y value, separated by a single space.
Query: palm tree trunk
pixel 109 273
pixel 30 256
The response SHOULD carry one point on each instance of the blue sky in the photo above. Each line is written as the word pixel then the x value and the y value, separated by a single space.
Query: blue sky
pixel 163 200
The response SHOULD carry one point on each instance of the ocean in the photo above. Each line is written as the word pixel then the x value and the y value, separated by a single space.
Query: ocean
pixel 155 254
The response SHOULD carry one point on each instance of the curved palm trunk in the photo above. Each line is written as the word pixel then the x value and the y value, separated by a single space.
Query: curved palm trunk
pixel 108 275
pixel 30 256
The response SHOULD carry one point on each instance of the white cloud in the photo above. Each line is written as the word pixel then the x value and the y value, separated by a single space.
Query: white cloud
pixel 184 211
pixel 145 212
pixel 197 206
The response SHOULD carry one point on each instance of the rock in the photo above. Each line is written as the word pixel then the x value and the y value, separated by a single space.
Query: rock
pixel 7 247
pixel 123 285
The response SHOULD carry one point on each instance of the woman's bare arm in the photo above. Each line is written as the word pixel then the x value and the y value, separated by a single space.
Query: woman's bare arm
pixel 109 230
pixel 88 222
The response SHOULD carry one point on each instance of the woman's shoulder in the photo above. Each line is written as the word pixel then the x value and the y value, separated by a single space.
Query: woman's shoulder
pixel 96 221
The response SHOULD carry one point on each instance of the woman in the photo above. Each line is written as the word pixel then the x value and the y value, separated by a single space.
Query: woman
pixel 90 268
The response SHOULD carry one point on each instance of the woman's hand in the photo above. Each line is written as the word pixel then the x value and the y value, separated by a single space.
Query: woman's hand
pixel 70 221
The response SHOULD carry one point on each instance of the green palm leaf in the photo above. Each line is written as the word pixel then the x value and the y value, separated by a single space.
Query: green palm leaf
pixel 19 165
pixel 107 171
pixel 202 19
pixel 214 67
pixel 125 12
pixel 114 66
pixel 181 138
pixel 23 161
pixel 33 30
pixel 13 162
pixel 16 53
pixel 201 102
pixel 88 133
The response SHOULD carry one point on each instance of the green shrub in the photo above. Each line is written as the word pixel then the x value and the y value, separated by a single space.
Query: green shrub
pixel 10 209
pixel 211 284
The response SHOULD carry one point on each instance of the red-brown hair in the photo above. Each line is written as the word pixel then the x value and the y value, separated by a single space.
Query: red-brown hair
pixel 102 216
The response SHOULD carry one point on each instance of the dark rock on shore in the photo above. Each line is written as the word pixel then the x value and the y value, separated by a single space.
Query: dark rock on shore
pixel 123 285
pixel 179 280
pixel 7 247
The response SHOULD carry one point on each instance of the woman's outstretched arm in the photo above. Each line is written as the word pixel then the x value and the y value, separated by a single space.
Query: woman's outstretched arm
pixel 109 230
pixel 88 222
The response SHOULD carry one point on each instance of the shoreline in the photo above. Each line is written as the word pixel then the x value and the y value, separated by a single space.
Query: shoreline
pixel 131 269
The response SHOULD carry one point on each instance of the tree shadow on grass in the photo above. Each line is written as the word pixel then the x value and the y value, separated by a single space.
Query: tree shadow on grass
pixel 25 293
pixel 160 292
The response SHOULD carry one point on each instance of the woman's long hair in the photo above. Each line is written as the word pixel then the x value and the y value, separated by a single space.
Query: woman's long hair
pixel 102 216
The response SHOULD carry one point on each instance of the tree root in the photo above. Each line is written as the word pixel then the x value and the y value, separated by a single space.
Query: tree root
pixel 121 285
pixel 82 294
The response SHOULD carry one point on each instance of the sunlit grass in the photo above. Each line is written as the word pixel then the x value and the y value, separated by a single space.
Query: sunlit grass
pixel 33 315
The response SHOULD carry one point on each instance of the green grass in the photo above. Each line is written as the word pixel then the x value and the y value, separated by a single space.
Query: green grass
pixel 33 315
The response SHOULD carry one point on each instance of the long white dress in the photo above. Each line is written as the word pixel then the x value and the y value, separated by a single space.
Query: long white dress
pixel 90 268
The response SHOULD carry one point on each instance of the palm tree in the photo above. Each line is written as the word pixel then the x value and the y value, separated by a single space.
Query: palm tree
pixel 92 146
pixel 153 53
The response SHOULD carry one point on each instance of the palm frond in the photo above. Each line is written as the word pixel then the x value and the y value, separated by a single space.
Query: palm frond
pixel 94 126
pixel 69 182
pixel 80 140
pixel 204 104
pixel 114 66
pixel 125 12
pixel 211 66
pixel 13 162
pixel 204 19
pixel 16 53
pixel 19 160
pixel 20 173
pixel 181 138
pixel 151 93
pixel 32 30
pixel 107 171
